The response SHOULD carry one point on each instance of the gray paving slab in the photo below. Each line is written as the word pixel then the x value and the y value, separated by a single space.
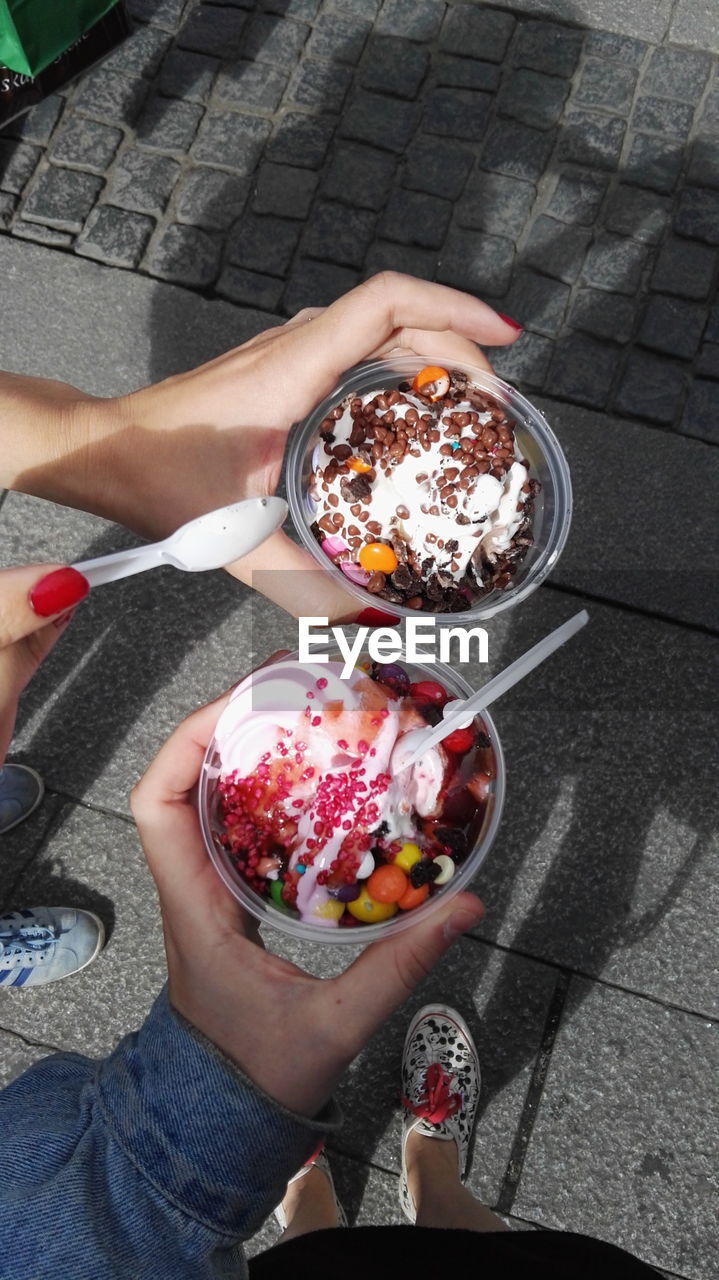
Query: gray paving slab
pixel 19 846
pixel 16 1055
pixel 626 496
pixel 624 1146
pixel 126 330
pixel 694 23
pixel 505 1000
pixel 92 860
pixel 605 859
pixel 645 21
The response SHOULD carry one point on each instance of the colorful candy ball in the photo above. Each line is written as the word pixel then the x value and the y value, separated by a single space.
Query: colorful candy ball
pixel 413 897
pixel 432 381
pixel 407 856
pixel 370 911
pixel 378 557
pixel 387 884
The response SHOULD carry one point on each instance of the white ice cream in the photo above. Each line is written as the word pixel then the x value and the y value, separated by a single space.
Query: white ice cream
pixel 493 507
pixel 275 708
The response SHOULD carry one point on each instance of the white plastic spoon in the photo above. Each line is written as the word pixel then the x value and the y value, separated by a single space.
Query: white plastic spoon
pixel 208 542
pixel 458 714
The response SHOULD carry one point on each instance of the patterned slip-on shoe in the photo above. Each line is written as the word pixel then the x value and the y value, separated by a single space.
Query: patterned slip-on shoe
pixel 43 944
pixel 21 790
pixel 320 1160
pixel 440 1087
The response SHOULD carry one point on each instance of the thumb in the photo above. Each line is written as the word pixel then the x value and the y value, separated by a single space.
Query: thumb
pixel 33 594
pixel 294 580
pixel 382 978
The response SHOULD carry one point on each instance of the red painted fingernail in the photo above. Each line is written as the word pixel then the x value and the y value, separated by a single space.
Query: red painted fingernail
pixel 508 320
pixel 58 591
pixel 375 618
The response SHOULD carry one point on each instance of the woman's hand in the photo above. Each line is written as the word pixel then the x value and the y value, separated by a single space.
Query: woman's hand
pixel 158 457
pixel 36 604
pixel 228 420
pixel 291 1033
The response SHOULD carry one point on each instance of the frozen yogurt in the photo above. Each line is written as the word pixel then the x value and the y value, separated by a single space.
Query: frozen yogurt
pixel 310 805
pixel 420 494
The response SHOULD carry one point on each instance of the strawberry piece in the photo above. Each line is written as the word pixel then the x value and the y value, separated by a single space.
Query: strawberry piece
pixel 429 691
pixel 459 741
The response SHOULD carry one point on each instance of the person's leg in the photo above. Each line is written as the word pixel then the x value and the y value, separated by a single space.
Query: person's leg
pixel 309 1205
pixel 436 1191
pixel 310 1202
pixel 440 1091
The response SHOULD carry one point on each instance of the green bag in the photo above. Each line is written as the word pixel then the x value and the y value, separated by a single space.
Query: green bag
pixel 35 32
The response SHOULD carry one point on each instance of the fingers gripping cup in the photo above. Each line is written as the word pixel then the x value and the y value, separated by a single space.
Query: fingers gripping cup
pixel 430 489
pixel 310 818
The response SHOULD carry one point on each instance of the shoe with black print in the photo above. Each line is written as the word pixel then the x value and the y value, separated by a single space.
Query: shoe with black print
pixel 440 1087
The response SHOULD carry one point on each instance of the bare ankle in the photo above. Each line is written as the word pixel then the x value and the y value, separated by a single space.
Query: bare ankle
pixel 437 1191
pixel 309 1205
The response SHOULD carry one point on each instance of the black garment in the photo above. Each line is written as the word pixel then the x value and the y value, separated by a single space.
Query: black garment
pixel 430 1253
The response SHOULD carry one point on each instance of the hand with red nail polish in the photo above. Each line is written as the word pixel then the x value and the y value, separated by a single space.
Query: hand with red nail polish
pixel 36 604
pixel 156 458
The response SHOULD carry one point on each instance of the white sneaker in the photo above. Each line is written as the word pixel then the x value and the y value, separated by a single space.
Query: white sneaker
pixel 440 1087
pixel 43 944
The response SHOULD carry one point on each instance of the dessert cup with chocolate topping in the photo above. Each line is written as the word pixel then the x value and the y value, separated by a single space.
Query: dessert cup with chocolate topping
pixel 430 489
pixel 309 815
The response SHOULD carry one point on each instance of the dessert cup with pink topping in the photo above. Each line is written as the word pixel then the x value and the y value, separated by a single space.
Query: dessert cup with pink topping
pixel 309 817
pixel 430 489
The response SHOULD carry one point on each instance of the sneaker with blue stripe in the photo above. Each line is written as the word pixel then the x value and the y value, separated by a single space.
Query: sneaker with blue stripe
pixel 43 944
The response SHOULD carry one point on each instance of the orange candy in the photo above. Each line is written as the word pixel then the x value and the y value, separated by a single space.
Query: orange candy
pixel 432 381
pixel 387 884
pixel 413 897
pixel 377 556
pixel 356 464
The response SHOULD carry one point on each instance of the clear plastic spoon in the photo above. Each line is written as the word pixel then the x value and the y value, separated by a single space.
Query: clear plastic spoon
pixel 208 542
pixel 458 714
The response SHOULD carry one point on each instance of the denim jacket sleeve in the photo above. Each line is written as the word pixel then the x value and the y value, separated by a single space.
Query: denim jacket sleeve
pixel 155 1162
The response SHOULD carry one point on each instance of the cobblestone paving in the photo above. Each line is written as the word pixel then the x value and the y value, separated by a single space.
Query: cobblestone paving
pixel 275 153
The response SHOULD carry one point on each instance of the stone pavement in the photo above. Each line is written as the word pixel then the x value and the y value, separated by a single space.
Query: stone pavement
pixel 559 157
pixel 274 152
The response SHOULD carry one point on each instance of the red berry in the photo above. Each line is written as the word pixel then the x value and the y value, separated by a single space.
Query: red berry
pixel 459 741
pixel 429 691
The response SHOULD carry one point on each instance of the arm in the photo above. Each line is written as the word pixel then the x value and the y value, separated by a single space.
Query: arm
pixel 203 439
pixel 163 1157
pixel 147 1163
pixel 52 442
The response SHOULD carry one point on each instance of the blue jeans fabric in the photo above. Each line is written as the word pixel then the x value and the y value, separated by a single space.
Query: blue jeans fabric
pixel 157 1161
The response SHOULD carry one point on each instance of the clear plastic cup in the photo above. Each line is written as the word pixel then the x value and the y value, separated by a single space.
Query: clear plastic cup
pixel 267 913
pixel 536 442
